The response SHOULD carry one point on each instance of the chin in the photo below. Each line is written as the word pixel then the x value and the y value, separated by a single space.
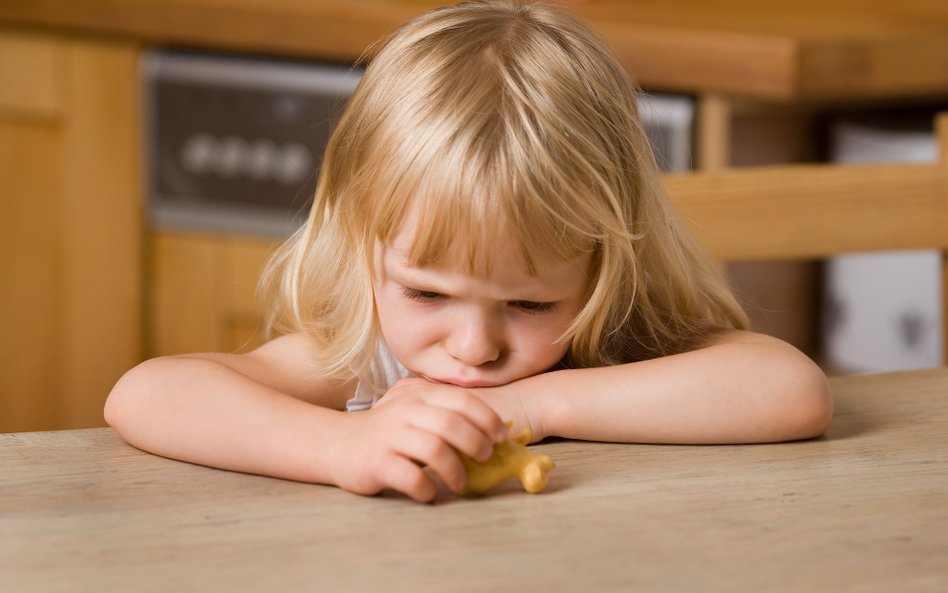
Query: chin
pixel 474 383
pixel 465 383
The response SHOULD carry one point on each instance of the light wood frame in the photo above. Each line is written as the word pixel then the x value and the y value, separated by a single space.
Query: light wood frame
pixel 815 211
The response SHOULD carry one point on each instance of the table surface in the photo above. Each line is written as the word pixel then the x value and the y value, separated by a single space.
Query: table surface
pixel 782 50
pixel 864 508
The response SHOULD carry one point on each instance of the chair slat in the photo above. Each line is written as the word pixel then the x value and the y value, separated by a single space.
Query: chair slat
pixel 801 212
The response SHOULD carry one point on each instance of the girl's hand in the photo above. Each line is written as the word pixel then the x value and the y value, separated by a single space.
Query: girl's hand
pixel 422 425
pixel 508 402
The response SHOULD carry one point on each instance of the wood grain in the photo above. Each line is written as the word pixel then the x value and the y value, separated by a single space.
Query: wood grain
pixel 861 509
pixel 100 216
pixel 30 247
pixel 788 50
pixel 70 227
pixel 203 292
pixel 30 75
pixel 810 211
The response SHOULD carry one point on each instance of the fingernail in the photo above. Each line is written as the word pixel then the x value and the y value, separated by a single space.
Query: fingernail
pixel 485 453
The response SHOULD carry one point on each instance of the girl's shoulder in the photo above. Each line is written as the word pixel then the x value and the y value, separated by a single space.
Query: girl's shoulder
pixel 288 364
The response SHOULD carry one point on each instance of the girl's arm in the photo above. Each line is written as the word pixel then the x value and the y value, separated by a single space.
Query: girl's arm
pixel 266 413
pixel 740 388
pixel 253 412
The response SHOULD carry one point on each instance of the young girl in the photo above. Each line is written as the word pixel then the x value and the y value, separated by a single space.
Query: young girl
pixel 489 241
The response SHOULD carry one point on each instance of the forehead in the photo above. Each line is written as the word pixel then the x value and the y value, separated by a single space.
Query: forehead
pixel 433 239
pixel 552 279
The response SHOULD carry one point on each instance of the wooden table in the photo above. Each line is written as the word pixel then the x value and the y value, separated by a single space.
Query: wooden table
pixel 865 508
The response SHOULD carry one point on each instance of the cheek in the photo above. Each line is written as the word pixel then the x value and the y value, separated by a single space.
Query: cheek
pixel 404 325
pixel 539 337
pixel 387 313
pixel 392 313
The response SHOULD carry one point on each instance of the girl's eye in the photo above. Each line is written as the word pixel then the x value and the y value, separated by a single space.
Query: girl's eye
pixel 424 296
pixel 534 306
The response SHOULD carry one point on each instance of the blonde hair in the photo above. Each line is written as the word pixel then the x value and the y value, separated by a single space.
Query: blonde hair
pixel 498 119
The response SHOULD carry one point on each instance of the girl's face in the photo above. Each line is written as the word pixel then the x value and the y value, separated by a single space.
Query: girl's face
pixel 449 326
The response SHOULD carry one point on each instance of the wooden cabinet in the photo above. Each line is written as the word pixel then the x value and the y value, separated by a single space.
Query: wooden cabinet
pixel 202 293
pixel 70 227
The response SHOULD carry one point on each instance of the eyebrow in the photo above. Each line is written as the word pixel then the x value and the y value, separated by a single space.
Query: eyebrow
pixel 403 273
pixel 412 278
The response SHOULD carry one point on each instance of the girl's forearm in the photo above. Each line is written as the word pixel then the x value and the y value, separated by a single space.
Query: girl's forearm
pixel 201 411
pixel 746 388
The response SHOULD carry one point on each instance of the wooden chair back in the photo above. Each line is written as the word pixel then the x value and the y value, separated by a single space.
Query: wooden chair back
pixel 816 211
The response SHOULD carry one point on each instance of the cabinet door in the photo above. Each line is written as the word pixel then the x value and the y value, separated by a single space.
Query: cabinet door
pixel 202 293
pixel 70 227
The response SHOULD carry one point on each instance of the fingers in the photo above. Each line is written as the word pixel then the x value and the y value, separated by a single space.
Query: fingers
pixel 454 429
pixel 424 424
pixel 402 469
pixel 434 452
pixel 403 475
pixel 431 436
pixel 457 399
pixel 476 411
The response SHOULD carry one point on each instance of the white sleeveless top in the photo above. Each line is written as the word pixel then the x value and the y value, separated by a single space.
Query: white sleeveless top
pixel 385 371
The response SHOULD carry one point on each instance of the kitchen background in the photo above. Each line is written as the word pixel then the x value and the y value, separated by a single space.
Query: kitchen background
pixel 152 154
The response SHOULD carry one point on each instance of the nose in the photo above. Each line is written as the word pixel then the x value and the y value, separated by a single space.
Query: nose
pixel 476 340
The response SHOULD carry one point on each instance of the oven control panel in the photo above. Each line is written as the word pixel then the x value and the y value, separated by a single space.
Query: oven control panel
pixel 234 143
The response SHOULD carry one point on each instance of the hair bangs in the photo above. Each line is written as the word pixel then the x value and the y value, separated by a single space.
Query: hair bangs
pixel 470 205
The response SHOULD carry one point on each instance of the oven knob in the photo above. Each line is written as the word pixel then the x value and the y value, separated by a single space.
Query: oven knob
pixel 295 164
pixel 262 158
pixel 199 153
pixel 232 156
